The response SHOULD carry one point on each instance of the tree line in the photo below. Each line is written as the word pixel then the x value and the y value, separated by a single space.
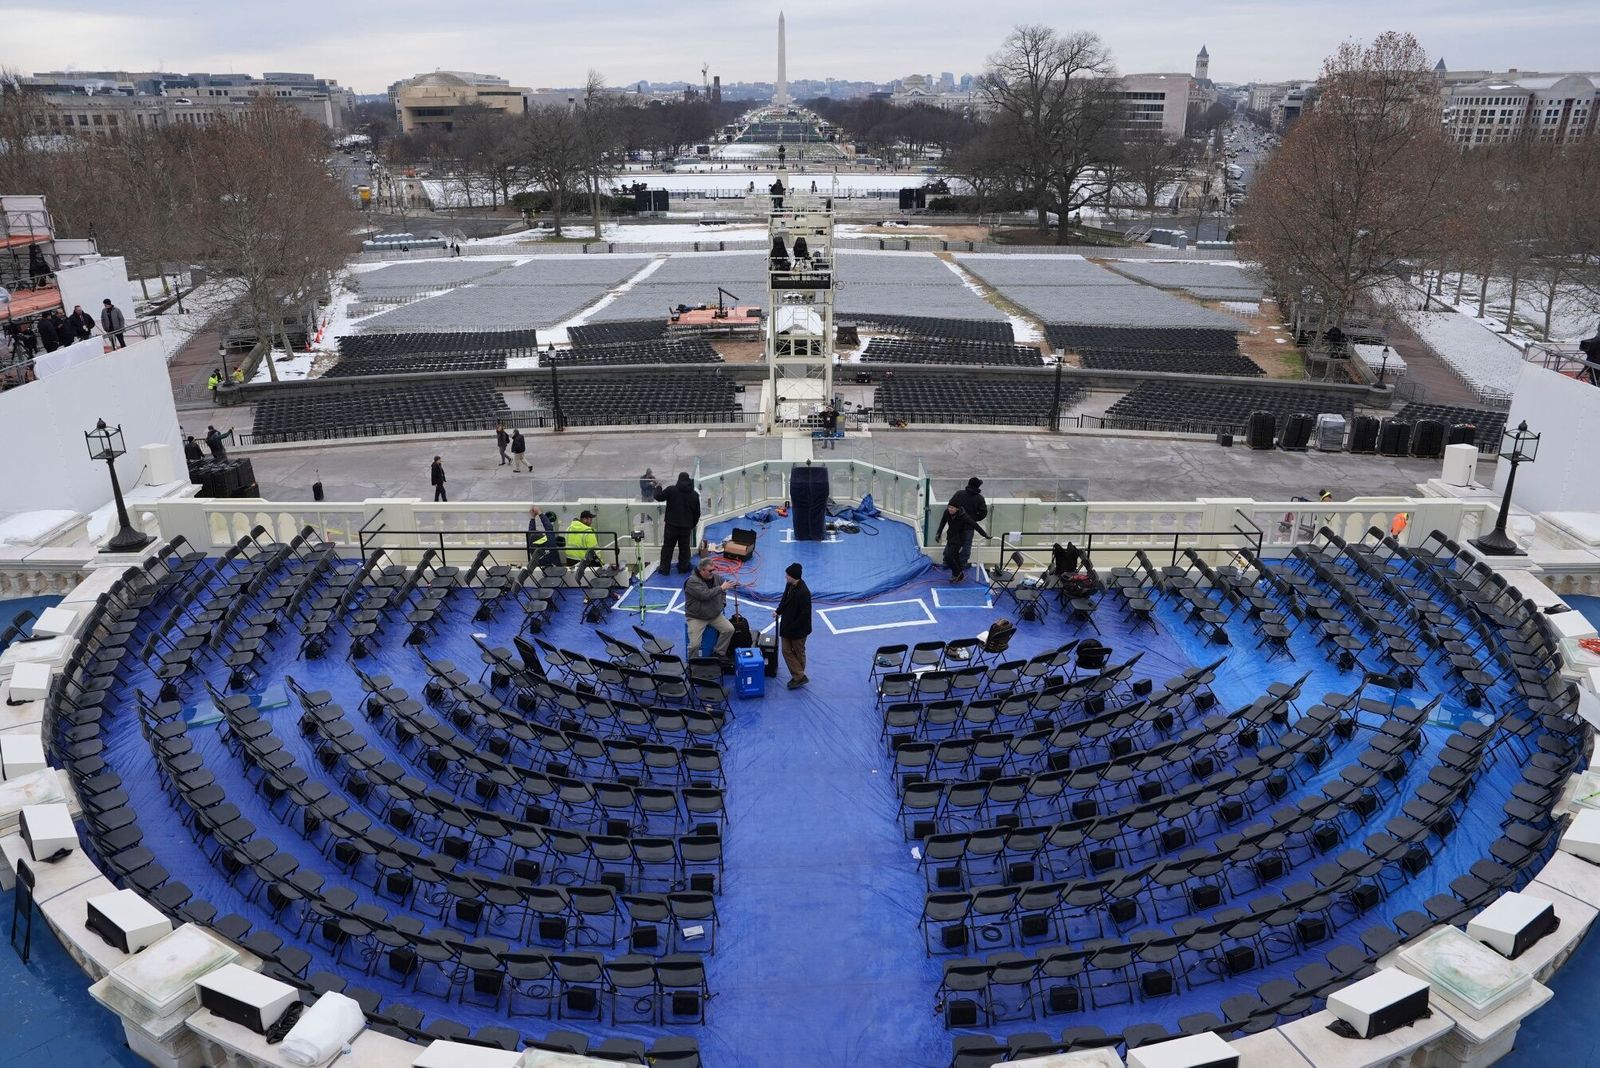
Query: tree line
pixel 567 152
pixel 1367 184
pixel 1053 133
pixel 250 200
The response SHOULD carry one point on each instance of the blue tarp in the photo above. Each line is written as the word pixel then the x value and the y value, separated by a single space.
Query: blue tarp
pixel 819 959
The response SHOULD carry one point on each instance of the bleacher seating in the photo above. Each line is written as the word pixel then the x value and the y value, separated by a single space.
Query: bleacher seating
pixel 1205 363
pixel 1076 338
pixel 962 398
pixel 679 397
pixel 367 412
pixel 661 350
pixel 416 363
pixel 1491 423
pixel 614 333
pixel 1155 405
pixel 934 327
pixel 494 342
pixel 942 351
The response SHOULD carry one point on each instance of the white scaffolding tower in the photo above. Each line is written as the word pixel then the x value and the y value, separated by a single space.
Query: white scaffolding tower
pixel 800 284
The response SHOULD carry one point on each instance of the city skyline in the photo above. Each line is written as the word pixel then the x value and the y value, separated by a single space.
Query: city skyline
pixel 1249 40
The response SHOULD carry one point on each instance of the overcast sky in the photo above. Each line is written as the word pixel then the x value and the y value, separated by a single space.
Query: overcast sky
pixel 369 45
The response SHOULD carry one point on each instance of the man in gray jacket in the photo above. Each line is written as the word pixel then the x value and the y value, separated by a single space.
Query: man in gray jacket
pixel 112 322
pixel 704 601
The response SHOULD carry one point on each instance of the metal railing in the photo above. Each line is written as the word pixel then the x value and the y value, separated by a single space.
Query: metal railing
pixel 1217 544
pixel 409 545
pixel 1566 360
pixel 16 372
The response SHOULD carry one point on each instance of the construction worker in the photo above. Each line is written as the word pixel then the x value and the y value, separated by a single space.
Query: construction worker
pixel 580 539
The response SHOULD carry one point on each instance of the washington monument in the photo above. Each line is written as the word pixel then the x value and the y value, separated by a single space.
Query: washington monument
pixel 780 92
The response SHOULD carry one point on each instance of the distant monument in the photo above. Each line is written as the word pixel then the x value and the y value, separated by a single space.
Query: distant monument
pixel 780 90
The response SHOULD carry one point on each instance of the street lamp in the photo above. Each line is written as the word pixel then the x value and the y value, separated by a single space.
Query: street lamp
pixel 555 395
pixel 1384 366
pixel 105 443
pixel 1518 446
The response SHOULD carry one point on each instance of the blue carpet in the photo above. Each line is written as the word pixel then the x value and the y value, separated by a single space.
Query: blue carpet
pixel 1563 1031
pixel 819 959
pixel 50 1016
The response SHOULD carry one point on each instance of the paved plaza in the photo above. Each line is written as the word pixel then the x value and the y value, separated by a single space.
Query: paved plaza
pixel 579 464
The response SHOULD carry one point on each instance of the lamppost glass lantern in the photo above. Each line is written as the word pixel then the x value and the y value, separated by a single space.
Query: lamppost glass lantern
pixel 1518 446
pixel 106 443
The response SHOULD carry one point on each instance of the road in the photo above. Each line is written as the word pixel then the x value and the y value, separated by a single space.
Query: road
pixel 350 170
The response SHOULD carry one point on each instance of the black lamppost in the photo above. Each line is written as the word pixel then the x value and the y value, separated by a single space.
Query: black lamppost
pixel 1384 366
pixel 105 443
pixel 555 395
pixel 1518 446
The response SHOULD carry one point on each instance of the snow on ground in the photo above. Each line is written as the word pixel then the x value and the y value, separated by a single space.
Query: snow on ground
pixel 661 233
pixel 199 308
pixel 1481 355
pixel 583 316
pixel 26 527
pixel 1572 317
pixel 291 366
pixel 732 184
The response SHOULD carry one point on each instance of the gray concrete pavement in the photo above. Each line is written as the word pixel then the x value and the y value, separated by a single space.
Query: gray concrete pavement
pixel 579 464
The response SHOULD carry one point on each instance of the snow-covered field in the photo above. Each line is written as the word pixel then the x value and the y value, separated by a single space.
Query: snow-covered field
pixel 733 183
pixel 1573 312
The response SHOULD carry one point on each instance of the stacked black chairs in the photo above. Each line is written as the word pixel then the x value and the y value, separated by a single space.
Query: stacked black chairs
pixel 441 407
pixel 958 398
pixel 1217 407
pixel 1487 424
pixel 946 351
pixel 933 327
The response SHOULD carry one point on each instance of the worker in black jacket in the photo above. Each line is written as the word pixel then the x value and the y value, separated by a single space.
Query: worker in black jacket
pixel 963 515
pixel 679 520
pixel 794 624
pixel 436 477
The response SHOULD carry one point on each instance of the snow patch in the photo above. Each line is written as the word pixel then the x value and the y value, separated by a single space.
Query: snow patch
pixel 33 527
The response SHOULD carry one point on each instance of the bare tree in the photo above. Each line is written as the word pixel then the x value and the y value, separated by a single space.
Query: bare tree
pixel 600 140
pixel 1360 183
pixel 1153 161
pixel 267 217
pixel 554 152
pixel 1057 96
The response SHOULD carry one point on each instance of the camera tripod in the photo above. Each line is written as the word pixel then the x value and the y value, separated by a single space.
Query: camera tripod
pixel 638 579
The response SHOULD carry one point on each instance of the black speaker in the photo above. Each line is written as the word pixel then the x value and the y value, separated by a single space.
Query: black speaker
pixel 1364 434
pixel 641 200
pixel 1225 439
pixel 1395 438
pixel 1462 434
pixel 660 200
pixel 808 500
pixel 1427 441
pixel 1260 430
pixel 1296 432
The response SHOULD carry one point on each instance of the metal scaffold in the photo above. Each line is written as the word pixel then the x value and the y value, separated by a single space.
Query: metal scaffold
pixel 800 287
